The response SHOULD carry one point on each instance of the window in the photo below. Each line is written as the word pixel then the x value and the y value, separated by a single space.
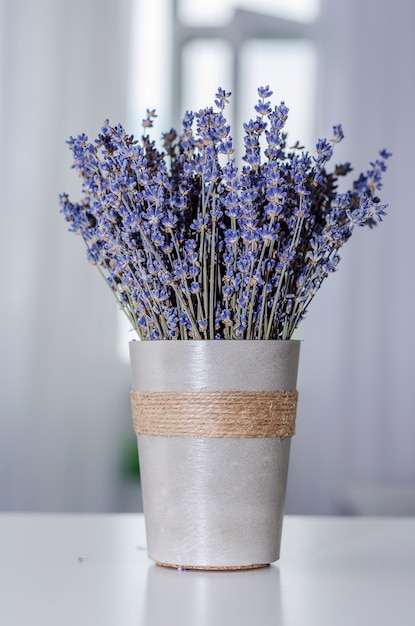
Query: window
pixel 183 50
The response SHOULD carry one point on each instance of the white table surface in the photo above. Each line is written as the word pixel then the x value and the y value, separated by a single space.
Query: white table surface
pixel 93 570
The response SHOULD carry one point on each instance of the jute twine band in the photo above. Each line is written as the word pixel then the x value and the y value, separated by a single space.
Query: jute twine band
pixel 215 413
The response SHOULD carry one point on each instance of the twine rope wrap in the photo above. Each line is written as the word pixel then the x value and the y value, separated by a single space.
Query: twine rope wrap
pixel 249 414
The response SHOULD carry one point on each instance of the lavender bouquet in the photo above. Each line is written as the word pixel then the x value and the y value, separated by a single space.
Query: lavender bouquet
pixel 194 247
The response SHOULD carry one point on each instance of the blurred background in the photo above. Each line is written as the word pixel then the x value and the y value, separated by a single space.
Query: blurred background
pixel 66 440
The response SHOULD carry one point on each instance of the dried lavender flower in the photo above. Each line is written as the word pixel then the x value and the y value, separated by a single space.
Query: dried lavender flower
pixel 195 248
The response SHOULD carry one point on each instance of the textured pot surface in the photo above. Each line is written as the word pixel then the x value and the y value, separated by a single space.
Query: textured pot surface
pixel 213 502
pixel 214 365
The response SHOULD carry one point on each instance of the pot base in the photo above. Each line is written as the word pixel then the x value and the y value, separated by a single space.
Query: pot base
pixel 229 568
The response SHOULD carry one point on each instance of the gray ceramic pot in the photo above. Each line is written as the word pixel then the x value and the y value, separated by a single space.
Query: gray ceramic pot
pixel 213 502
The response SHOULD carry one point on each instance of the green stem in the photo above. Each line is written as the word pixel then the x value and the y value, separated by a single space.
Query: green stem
pixel 212 287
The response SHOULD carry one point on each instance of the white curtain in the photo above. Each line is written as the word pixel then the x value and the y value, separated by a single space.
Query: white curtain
pixel 355 447
pixel 63 391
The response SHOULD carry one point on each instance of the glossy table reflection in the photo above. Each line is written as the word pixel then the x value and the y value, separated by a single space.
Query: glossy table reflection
pixel 61 570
